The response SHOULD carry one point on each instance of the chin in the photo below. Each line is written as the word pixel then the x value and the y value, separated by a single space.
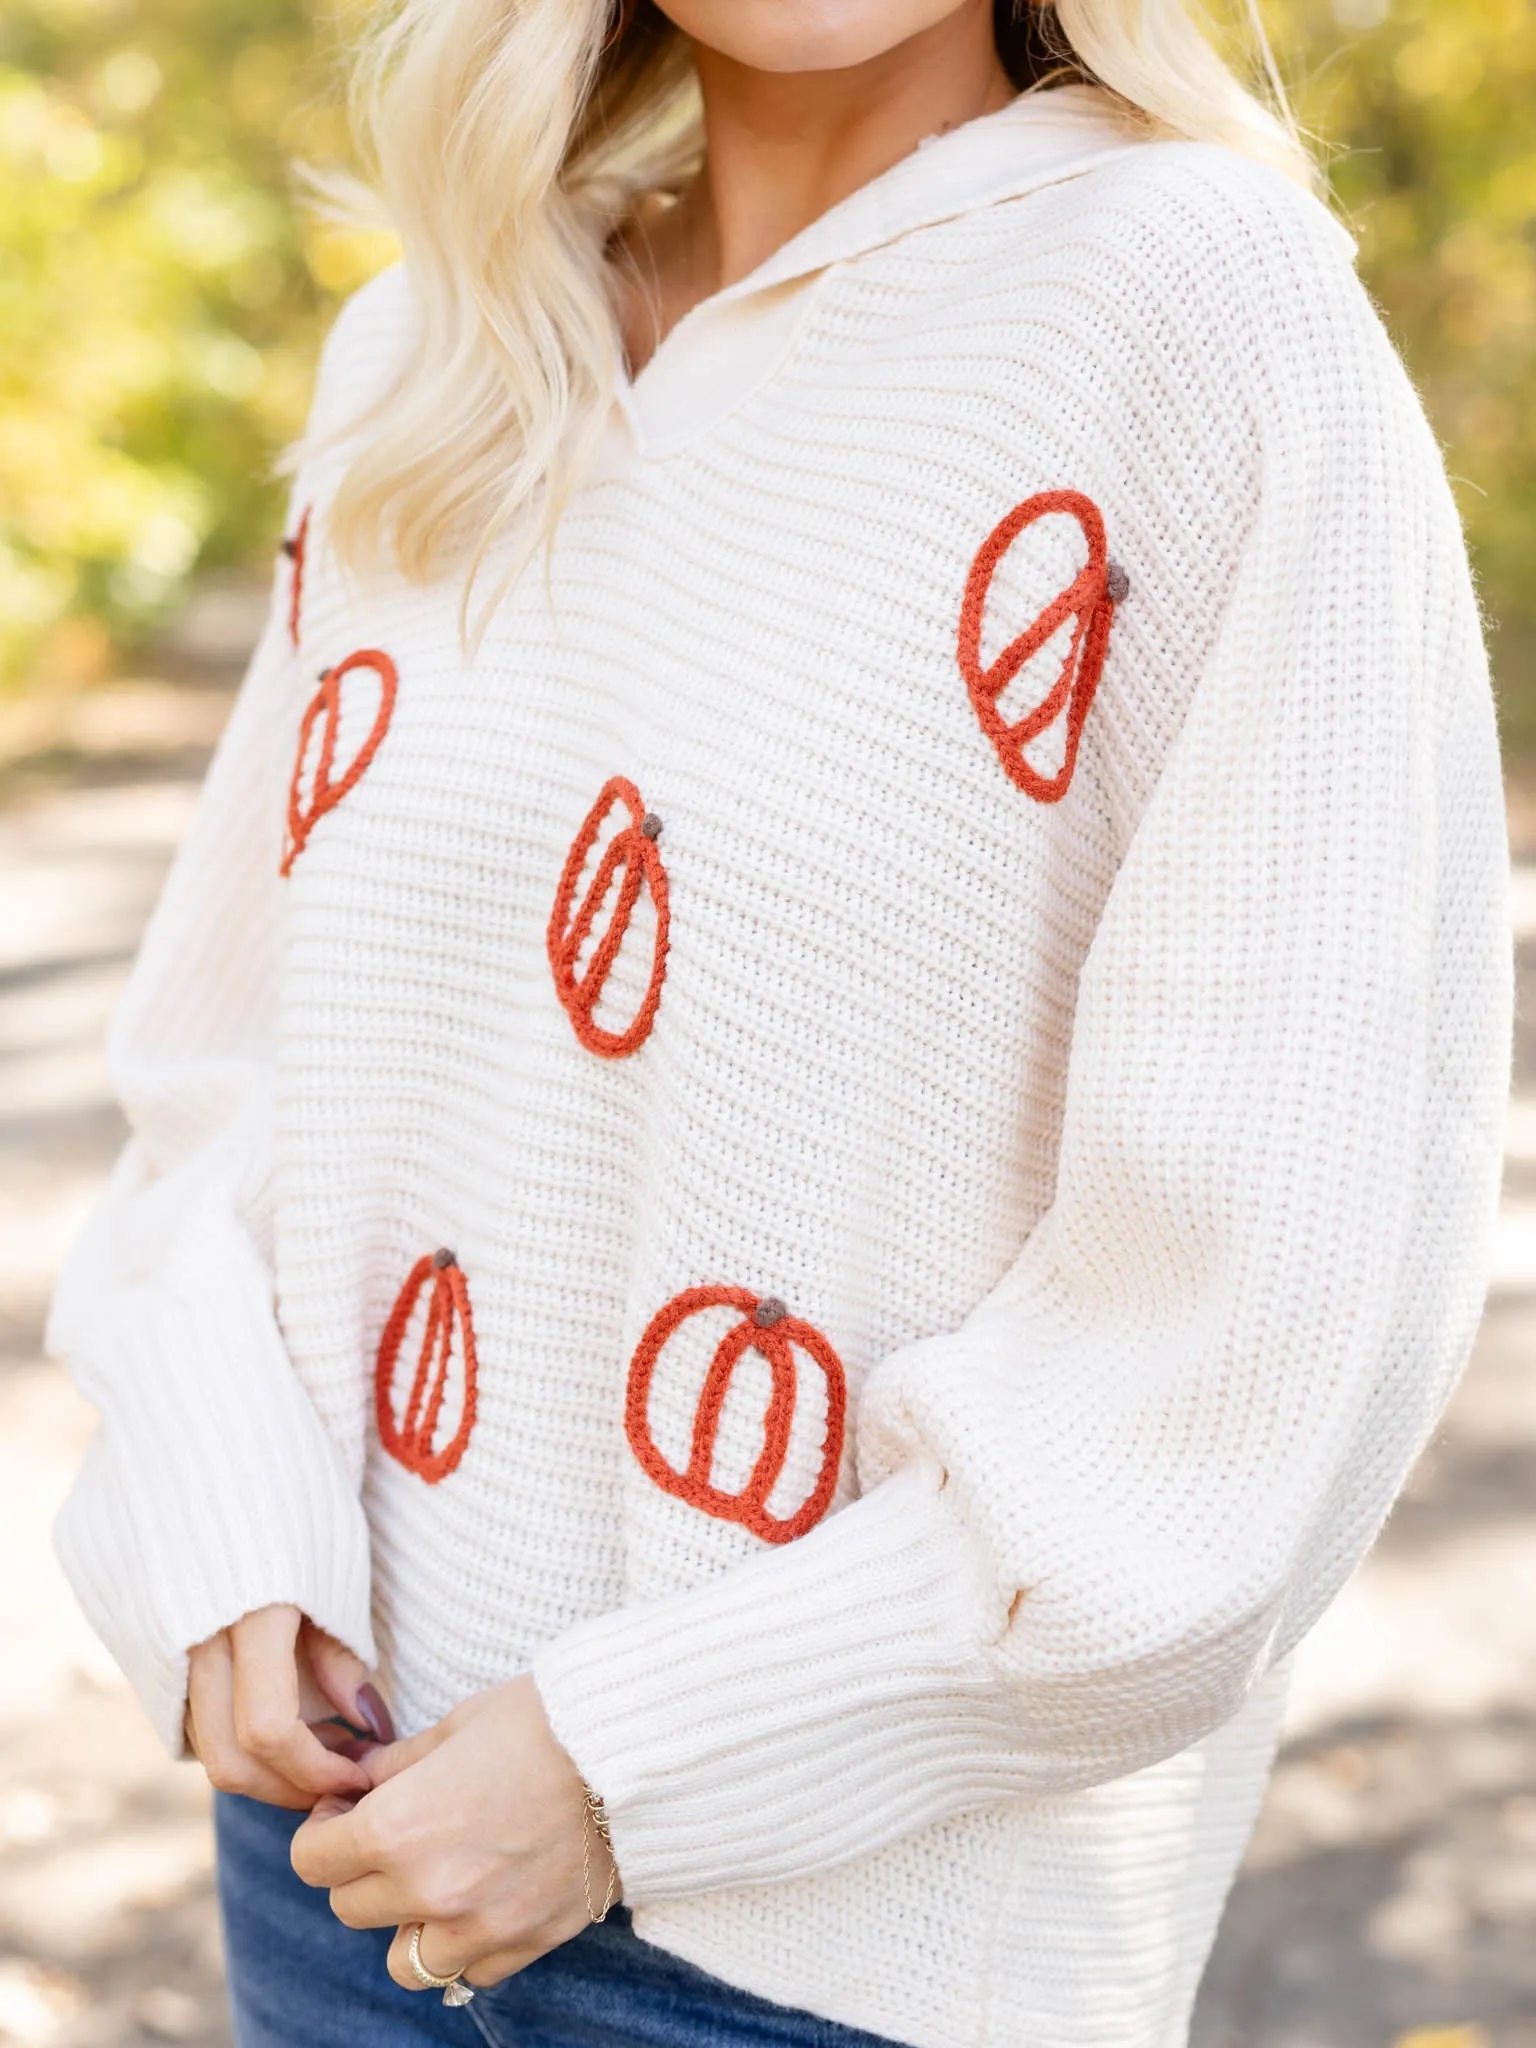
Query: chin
pixel 787 36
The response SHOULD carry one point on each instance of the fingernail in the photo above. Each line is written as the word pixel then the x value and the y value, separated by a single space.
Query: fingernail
pixel 373 1713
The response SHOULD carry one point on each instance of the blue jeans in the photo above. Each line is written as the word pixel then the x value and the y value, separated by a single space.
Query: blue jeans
pixel 299 1979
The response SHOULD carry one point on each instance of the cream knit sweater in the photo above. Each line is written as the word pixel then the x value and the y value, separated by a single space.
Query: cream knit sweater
pixel 1118 1123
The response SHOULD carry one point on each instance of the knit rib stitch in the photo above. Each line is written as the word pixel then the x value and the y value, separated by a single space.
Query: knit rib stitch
pixel 1133 1154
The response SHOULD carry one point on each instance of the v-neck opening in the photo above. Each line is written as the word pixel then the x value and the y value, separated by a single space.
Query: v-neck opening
pixel 725 346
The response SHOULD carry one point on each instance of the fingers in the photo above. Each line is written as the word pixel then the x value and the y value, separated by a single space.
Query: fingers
pixel 243 1716
pixel 498 1966
pixel 343 1840
pixel 446 1949
pixel 431 1950
pixel 331 1805
pixel 337 1846
pixel 345 1684
pixel 212 1732
pixel 390 1898
pixel 442 1941
pixel 375 1901
pixel 332 1735
pixel 391 1759
pixel 390 1895
pixel 267 1718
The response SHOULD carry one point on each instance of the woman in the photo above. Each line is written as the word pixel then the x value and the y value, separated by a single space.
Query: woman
pixel 817 1104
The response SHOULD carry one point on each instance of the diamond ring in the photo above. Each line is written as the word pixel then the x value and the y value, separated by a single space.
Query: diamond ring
pixel 455 1991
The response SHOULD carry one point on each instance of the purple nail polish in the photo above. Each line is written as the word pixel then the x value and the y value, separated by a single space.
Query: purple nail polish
pixel 373 1714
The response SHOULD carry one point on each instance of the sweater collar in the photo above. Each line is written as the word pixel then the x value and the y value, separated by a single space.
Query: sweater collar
pixel 1036 139
pixel 727 345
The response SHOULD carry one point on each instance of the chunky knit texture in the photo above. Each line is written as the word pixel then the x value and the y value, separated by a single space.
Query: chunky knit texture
pixel 1126 1159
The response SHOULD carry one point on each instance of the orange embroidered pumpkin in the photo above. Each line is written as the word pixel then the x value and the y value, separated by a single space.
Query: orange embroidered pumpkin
pixel 581 958
pixel 766 1326
pixel 315 788
pixel 425 1434
pixel 1089 601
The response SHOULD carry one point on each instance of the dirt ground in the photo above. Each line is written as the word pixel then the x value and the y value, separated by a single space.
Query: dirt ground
pixel 1389 1898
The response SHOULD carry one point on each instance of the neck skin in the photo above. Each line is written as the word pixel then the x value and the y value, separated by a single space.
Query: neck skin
pixel 784 147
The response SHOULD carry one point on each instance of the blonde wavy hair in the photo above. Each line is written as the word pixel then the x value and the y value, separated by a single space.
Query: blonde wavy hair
pixel 508 140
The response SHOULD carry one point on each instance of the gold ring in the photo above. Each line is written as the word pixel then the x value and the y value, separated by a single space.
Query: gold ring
pixel 455 1991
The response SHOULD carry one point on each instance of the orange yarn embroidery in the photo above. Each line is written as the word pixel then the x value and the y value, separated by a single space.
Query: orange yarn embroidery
pixel 1090 599
pixel 293 547
pixel 765 1326
pixel 631 859
pixel 324 794
pixel 412 1437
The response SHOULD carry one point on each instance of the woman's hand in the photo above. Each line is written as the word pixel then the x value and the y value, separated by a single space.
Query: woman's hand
pixel 476 1830
pixel 260 1700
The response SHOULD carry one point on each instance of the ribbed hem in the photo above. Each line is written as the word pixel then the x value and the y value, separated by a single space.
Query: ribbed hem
pixel 213 1489
pixel 819 1701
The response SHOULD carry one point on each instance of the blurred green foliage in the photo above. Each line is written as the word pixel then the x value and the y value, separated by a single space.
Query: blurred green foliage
pixel 162 295
pixel 1427 113
pixel 163 288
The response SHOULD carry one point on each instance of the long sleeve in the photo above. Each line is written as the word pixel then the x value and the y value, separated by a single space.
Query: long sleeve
pixel 212 1487
pixel 1095 1514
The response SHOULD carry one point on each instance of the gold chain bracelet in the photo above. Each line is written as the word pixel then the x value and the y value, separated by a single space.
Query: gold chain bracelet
pixel 595 1821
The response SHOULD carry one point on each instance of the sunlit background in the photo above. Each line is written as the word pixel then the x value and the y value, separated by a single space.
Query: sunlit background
pixel 162 296
pixel 161 291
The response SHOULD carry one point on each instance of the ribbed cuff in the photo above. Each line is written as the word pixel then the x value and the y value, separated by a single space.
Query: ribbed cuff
pixel 213 1488
pixel 811 1705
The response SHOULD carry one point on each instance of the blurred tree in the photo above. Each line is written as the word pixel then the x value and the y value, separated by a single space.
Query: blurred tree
pixel 1426 110
pixel 162 290
pixel 161 298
